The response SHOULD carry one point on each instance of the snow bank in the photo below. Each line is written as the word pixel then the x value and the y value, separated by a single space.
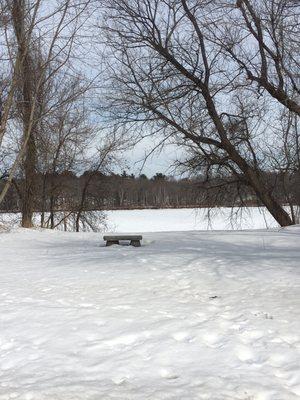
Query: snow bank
pixel 194 315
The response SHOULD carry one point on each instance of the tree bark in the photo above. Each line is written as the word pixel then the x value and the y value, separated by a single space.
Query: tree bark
pixel 26 79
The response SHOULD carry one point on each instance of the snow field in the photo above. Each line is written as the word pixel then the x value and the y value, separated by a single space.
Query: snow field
pixel 181 219
pixel 189 315
pixel 189 219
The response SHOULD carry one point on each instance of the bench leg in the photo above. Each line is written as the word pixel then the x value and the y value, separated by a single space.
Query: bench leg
pixel 111 242
pixel 135 243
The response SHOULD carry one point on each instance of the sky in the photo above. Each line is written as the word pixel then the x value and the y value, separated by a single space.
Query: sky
pixel 162 160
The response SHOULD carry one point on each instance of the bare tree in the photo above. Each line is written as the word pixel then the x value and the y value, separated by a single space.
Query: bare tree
pixel 171 78
pixel 101 161
pixel 63 135
pixel 37 52
pixel 263 39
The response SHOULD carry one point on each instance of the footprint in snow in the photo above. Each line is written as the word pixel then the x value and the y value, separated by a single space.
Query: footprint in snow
pixel 245 353
pixel 212 340
pixel 168 374
pixel 182 336
pixel 119 380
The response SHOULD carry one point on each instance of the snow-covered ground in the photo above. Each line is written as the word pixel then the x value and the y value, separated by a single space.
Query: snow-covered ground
pixel 187 219
pixel 189 315
pixel 182 219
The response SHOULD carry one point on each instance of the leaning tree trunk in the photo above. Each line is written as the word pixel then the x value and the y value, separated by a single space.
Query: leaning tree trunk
pixel 252 175
pixel 254 178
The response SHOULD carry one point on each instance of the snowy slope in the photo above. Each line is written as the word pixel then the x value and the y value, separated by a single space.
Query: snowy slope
pixel 193 315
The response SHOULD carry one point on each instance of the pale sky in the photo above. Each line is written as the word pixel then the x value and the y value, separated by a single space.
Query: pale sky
pixel 160 161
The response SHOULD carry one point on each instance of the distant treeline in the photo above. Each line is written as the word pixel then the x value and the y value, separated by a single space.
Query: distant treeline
pixel 96 191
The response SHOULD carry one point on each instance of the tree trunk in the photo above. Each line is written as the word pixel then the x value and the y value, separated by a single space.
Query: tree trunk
pixel 52 202
pixel 252 175
pixel 29 184
pixel 27 79
pixel 43 203
pixel 254 178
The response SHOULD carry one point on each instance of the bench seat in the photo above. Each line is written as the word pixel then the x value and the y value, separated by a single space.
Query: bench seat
pixel 135 240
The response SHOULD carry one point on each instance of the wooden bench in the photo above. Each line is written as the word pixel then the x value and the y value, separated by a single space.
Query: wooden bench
pixel 135 240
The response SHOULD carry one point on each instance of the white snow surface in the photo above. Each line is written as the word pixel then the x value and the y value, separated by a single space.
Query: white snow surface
pixel 180 219
pixel 187 219
pixel 189 315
